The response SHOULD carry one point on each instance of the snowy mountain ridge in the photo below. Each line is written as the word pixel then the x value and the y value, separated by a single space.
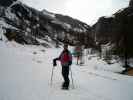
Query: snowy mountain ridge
pixel 32 24
pixel 45 12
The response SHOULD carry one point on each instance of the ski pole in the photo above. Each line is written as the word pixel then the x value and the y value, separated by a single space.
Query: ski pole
pixel 51 81
pixel 71 77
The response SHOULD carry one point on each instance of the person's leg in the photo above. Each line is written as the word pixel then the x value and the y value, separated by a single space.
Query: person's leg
pixel 77 60
pixel 65 74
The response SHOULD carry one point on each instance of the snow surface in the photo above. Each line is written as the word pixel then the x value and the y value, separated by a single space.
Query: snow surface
pixel 25 73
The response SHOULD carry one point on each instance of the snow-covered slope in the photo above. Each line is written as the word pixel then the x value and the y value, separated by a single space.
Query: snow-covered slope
pixel 25 73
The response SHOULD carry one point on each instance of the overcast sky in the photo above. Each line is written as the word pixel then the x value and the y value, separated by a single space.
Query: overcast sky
pixel 87 11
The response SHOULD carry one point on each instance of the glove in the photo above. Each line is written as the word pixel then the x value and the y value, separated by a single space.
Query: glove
pixel 54 62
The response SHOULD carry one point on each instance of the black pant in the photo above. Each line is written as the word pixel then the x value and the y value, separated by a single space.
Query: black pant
pixel 65 74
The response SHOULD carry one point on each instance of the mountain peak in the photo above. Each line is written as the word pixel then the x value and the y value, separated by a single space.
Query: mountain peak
pixel 50 14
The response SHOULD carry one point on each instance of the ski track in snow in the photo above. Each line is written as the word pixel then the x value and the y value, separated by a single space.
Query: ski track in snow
pixel 25 75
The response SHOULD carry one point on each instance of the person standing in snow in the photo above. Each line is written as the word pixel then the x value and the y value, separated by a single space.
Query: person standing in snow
pixel 66 60
pixel 78 53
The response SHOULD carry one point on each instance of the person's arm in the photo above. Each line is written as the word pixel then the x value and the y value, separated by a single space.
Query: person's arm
pixel 54 61
pixel 70 59
pixel 57 59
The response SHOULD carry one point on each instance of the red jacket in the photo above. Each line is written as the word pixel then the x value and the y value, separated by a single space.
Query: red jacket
pixel 65 58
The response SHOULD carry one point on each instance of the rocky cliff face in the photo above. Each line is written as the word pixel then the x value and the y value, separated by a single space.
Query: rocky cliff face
pixel 26 25
pixel 131 3
pixel 117 31
pixel 6 3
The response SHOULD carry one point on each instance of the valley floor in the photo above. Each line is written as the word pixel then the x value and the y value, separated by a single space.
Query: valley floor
pixel 25 73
